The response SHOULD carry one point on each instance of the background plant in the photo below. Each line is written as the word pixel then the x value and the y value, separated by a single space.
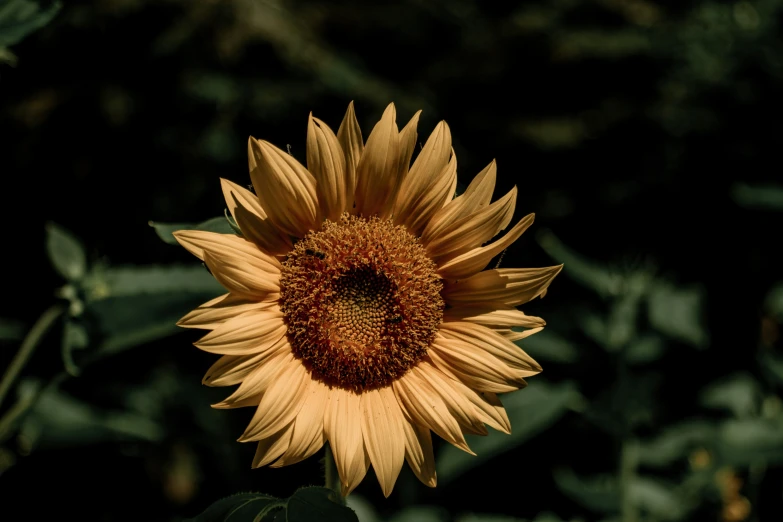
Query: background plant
pixel 644 134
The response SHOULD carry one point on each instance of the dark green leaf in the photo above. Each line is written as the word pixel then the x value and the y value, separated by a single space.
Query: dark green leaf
pixel 676 443
pixel 147 280
pixel 74 338
pixel 773 303
pixel 59 420
pixel 218 224
pixel 769 197
pixel 747 441
pixel 739 393
pixel 65 252
pixel 549 346
pixel 11 329
pixel 645 349
pixel 530 411
pixel 18 18
pixel 599 493
pixel 677 313
pixel 773 366
pixel 588 273
pixel 305 505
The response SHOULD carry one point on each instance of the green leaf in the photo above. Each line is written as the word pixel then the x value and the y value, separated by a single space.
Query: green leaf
pixel 599 493
pixel 18 18
pixel 135 305
pixel 65 252
pixel 677 313
pixel 149 280
pixel 773 303
pixel 676 442
pixel 74 338
pixel 769 197
pixel 753 440
pixel 546 345
pixel 772 365
pixel 59 420
pixel 305 505
pixel 645 349
pixel 739 393
pixel 218 224
pixel 588 273
pixel 11 329
pixel 530 411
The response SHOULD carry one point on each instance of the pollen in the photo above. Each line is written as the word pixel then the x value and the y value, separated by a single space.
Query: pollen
pixel 362 302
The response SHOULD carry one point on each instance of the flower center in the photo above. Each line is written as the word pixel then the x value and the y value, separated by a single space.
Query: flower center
pixel 362 302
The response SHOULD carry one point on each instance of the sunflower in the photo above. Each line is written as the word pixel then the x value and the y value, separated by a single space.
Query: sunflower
pixel 358 309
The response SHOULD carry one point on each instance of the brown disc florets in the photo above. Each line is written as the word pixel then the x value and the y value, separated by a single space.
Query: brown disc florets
pixel 362 302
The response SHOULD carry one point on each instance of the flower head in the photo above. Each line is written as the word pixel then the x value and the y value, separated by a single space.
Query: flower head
pixel 358 310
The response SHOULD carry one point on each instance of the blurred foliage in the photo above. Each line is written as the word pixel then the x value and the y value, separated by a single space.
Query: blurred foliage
pixel 641 132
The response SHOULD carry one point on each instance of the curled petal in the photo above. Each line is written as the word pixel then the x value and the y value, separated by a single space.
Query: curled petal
pixel 419 454
pixel 475 260
pixel 252 220
pixel 473 230
pixel 476 196
pixel 510 286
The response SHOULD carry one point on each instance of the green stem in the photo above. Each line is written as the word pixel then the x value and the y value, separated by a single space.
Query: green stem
pixel 331 476
pixel 629 460
pixel 30 342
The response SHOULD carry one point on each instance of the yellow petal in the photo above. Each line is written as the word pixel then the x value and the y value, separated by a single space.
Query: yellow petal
pixel 418 453
pixel 424 189
pixel 472 231
pixel 280 403
pixel 510 286
pixel 326 162
pixel 253 221
pixel 384 435
pixel 477 259
pixel 408 137
pixel 425 407
pixel 253 386
pixel 210 315
pixel 485 339
pixel 231 369
pixel 518 336
pixel 343 428
pixel 225 247
pixel 474 367
pixel 350 137
pixel 308 435
pixel 487 405
pixel 377 175
pixel 476 196
pixel 492 313
pixel 272 447
pixel 459 407
pixel 437 195
pixel 285 189
pixel 249 333
pixel 243 277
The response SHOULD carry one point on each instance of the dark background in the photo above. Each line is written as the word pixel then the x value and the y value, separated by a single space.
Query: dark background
pixel 645 135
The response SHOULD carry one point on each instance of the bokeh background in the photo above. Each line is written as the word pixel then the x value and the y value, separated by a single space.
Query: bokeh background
pixel 644 134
